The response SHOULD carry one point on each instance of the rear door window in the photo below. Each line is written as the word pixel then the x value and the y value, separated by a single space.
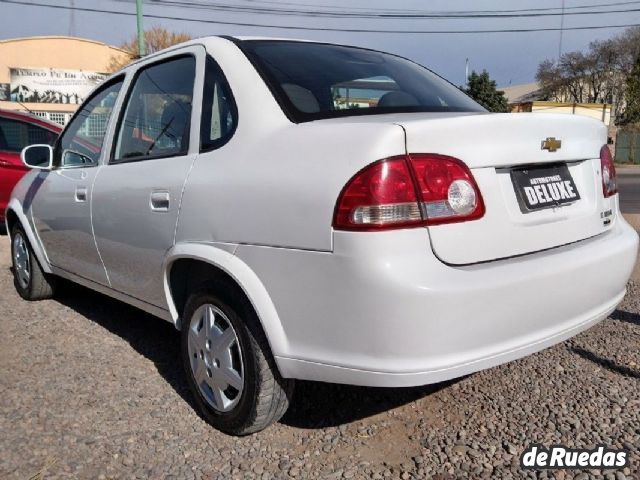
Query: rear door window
pixel 15 135
pixel 157 117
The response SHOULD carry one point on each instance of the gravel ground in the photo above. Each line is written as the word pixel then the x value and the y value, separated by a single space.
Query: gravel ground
pixel 92 388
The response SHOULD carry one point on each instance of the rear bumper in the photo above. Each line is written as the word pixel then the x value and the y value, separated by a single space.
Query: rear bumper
pixel 336 374
pixel 381 310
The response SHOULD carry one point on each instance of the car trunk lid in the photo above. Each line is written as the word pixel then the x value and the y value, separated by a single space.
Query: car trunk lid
pixel 505 153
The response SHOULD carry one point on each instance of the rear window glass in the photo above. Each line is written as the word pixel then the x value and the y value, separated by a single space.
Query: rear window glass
pixel 15 135
pixel 313 81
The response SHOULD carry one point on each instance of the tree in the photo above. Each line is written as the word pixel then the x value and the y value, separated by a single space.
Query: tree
pixel 155 39
pixel 598 75
pixel 632 112
pixel 483 90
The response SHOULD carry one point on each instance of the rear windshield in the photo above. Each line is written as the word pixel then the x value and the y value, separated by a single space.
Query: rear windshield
pixel 313 81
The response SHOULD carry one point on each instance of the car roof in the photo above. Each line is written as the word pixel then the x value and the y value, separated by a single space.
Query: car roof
pixel 30 118
pixel 228 38
pixel 231 39
pixel 279 39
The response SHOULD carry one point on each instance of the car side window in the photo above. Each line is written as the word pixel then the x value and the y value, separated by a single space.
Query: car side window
pixel 81 143
pixel 15 135
pixel 219 111
pixel 156 122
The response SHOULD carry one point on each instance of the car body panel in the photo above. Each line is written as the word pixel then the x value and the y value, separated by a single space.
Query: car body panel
pixel 19 206
pixel 264 135
pixel 492 146
pixel 503 139
pixel 291 191
pixel 133 237
pixel 222 256
pixel 377 311
pixel 485 239
pixel 61 210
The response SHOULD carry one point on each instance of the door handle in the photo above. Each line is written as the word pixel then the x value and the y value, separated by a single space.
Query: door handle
pixel 160 201
pixel 81 194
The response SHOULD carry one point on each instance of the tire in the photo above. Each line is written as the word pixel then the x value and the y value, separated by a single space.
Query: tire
pixel 261 396
pixel 35 284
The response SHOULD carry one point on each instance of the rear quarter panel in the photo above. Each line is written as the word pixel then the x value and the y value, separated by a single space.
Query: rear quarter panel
pixel 279 187
pixel 276 183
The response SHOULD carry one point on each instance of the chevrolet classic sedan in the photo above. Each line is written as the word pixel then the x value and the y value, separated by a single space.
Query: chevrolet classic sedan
pixel 313 211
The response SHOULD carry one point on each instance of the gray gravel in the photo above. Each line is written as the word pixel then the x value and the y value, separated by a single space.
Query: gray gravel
pixel 92 388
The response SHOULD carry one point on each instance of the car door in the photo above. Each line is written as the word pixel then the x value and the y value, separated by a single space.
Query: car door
pixel 61 206
pixel 137 194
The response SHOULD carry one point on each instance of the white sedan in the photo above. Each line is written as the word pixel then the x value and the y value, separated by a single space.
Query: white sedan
pixel 314 211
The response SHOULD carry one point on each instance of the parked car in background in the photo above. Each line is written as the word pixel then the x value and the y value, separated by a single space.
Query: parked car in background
pixel 314 211
pixel 17 130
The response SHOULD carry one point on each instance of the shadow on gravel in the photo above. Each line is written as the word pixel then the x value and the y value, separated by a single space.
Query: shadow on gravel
pixel 628 317
pixel 315 404
pixel 150 336
pixel 320 405
pixel 606 363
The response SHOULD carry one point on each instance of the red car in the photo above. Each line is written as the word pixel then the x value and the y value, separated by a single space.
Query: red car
pixel 17 130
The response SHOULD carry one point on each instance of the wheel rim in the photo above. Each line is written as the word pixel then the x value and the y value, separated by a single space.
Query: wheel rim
pixel 21 261
pixel 215 358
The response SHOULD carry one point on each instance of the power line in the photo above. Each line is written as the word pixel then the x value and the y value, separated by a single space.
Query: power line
pixel 368 9
pixel 319 29
pixel 225 7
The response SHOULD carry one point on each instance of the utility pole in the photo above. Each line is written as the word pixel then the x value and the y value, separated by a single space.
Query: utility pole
pixel 72 19
pixel 466 73
pixel 141 46
pixel 561 32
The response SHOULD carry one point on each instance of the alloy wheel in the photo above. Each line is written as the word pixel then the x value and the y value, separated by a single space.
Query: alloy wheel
pixel 21 260
pixel 215 358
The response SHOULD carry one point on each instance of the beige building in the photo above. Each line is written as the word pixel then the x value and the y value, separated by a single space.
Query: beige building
pixel 522 93
pixel 599 111
pixel 51 76
pixel 526 98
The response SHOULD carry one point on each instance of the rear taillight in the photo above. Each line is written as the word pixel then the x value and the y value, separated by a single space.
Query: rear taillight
pixel 401 192
pixel 447 188
pixel 381 195
pixel 609 180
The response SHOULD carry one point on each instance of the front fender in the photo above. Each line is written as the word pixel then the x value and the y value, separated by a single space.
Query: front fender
pixel 222 257
pixel 15 206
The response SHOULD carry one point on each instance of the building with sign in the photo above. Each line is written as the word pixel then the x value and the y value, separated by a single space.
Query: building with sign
pixel 51 76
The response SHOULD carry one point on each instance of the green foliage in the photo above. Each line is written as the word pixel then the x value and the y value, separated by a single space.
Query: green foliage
pixel 632 94
pixel 483 90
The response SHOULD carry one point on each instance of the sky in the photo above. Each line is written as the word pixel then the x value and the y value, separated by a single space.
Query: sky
pixel 510 58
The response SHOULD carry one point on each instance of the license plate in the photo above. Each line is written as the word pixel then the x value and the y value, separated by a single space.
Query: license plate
pixel 544 186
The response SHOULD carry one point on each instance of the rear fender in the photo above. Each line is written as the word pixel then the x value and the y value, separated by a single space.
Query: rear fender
pixel 222 257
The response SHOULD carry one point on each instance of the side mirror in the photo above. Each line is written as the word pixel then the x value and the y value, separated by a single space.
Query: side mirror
pixel 38 156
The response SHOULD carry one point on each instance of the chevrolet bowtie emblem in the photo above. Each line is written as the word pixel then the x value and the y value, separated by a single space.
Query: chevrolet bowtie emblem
pixel 551 144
